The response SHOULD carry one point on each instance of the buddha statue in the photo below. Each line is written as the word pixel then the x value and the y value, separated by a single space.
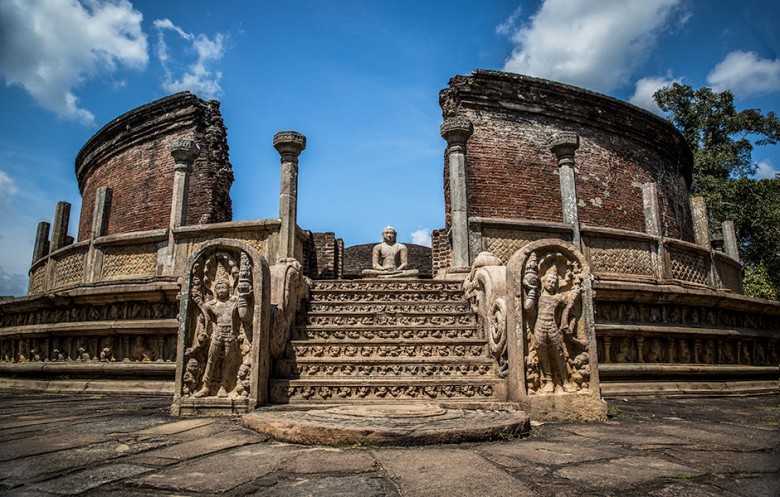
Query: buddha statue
pixel 389 258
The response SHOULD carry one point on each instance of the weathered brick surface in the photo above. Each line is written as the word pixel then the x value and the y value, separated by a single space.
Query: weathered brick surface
pixel 323 257
pixel 512 173
pixel 441 253
pixel 131 155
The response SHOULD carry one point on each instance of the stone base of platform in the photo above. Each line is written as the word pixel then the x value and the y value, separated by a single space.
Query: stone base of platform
pixel 397 424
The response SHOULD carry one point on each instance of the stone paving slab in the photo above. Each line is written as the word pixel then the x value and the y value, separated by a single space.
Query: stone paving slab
pixel 94 446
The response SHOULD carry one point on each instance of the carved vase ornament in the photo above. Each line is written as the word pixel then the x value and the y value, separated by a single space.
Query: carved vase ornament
pixel 552 319
pixel 220 331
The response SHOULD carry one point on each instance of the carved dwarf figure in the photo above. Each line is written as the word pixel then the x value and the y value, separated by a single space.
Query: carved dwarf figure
pixel 226 312
pixel 389 258
pixel 549 333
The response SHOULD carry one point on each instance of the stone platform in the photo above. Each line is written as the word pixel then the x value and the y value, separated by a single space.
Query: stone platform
pixel 398 424
pixel 122 446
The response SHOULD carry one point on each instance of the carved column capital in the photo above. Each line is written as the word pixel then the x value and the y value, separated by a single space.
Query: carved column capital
pixel 289 144
pixel 184 152
pixel 456 130
pixel 563 145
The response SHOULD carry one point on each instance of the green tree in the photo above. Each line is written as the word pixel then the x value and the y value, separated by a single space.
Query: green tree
pixel 722 140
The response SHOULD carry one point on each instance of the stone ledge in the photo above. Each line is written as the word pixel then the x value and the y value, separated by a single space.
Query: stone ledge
pixel 651 330
pixel 143 387
pixel 91 368
pixel 134 326
pixel 717 388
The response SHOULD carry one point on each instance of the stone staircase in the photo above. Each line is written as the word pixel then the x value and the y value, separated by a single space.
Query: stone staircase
pixel 385 341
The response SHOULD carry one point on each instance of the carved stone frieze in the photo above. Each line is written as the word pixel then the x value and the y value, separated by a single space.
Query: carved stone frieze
pixel 296 370
pixel 320 296
pixel 123 348
pixel 300 350
pixel 89 313
pixel 443 308
pixel 386 334
pixel 382 319
pixel 386 286
pixel 283 393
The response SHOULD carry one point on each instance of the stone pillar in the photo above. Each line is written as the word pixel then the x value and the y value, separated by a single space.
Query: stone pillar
pixel 457 130
pixel 289 144
pixel 184 153
pixel 100 212
pixel 730 244
pixel 701 229
pixel 60 230
pixel 99 228
pixel 41 241
pixel 563 145
pixel 653 227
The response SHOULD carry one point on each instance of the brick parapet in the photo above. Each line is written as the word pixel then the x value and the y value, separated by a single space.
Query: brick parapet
pixel 131 155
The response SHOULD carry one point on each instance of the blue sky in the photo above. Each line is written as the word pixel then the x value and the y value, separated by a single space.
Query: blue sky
pixel 359 78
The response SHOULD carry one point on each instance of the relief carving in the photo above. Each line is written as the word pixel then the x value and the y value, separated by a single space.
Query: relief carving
pixel 221 288
pixel 485 289
pixel 289 287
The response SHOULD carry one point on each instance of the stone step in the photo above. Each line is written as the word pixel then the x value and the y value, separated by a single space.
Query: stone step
pixel 370 286
pixel 386 390
pixel 447 307
pixel 355 351
pixel 480 367
pixel 383 319
pixel 385 333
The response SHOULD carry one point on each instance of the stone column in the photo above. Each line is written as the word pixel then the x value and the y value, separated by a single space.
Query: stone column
pixel 99 228
pixel 184 153
pixel 100 212
pixel 289 144
pixel 457 130
pixel 730 244
pixel 653 227
pixel 41 247
pixel 563 145
pixel 701 229
pixel 60 230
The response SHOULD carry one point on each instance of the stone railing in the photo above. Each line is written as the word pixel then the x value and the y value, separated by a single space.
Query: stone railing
pixel 147 255
pixel 615 255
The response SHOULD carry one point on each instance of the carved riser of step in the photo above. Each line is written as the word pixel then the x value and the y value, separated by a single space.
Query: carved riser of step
pixel 406 319
pixel 382 297
pixel 298 391
pixel 393 334
pixel 389 307
pixel 358 351
pixel 480 368
pixel 383 286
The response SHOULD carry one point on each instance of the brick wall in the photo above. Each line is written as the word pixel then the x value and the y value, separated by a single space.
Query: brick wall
pixel 131 155
pixel 441 254
pixel 324 256
pixel 512 173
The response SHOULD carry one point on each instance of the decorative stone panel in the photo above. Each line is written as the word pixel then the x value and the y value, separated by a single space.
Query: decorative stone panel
pixel 609 255
pixel 69 269
pixel 688 266
pixel 37 280
pixel 130 260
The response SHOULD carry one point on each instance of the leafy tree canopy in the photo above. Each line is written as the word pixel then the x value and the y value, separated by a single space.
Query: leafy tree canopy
pixel 722 141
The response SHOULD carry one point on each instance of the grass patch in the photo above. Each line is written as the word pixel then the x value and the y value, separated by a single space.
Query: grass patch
pixel 681 476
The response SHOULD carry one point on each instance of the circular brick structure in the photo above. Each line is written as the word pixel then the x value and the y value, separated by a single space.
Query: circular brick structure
pixel 132 156
pixel 512 174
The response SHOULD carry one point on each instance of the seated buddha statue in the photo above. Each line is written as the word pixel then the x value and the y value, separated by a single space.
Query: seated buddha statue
pixel 389 258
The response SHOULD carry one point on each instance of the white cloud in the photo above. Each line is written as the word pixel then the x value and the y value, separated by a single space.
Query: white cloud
pixel 644 90
pixel 7 188
pixel 198 78
pixel 745 73
pixel 49 47
pixel 596 44
pixel 422 237
pixel 766 170
pixel 506 27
